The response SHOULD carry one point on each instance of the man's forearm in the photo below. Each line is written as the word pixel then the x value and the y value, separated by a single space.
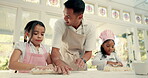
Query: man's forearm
pixel 55 55
pixel 87 55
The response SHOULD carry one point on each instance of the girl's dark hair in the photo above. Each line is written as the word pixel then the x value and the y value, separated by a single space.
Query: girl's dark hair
pixel 30 26
pixel 78 6
pixel 102 49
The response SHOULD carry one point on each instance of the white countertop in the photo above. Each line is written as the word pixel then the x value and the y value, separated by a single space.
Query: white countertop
pixel 75 74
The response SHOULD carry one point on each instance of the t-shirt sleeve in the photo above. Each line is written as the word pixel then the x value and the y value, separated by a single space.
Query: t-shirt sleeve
pixel 59 29
pixel 90 43
pixel 20 46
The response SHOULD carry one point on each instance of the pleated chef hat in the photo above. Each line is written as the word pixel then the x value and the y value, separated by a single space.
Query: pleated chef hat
pixel 107 34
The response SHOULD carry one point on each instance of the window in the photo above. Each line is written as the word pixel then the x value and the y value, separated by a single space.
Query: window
pixel 49 29
pixel 115 14
pixel 146 20
pixel 7 24
pixel 126 16
pixel 89 8
pixel 33 1
pixel 121 47
pixel 138 19
pixel 26 17
pixel 102 11
pixel 54 3
pixel 142 45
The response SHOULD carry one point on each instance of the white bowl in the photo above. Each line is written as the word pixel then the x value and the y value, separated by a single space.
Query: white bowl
pixel 141 68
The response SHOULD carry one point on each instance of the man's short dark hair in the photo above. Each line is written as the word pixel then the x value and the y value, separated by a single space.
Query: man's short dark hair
pixel 77 5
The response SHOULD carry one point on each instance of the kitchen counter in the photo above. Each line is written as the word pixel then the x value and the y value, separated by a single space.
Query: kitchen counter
pixel 75 74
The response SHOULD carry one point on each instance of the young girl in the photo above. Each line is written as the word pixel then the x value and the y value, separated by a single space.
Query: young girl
pixel 107 56
pixel 31 53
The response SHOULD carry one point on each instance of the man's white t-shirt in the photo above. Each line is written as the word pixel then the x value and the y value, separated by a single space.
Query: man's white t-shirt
pixel 88 29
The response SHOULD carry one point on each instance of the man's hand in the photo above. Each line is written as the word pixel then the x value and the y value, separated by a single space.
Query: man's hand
pixel 80 63
pixel 62 67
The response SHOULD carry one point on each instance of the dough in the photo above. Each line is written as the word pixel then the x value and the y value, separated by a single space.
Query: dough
pixel 109 68
pixel 40 71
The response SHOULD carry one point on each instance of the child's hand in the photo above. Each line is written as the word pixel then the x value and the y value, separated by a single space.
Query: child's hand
pixel 111 63
pixel 114 64
pixel 50 66
pixel 119 64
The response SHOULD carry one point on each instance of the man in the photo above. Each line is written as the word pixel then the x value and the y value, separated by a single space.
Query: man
pixel 73 39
